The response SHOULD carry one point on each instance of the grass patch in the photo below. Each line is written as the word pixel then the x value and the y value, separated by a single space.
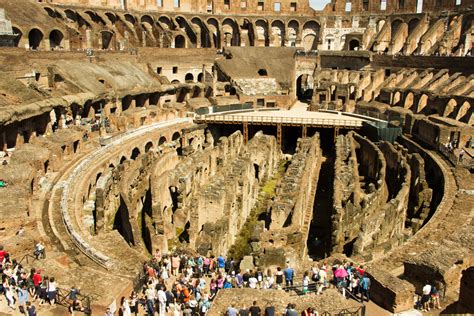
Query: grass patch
pixel 241 247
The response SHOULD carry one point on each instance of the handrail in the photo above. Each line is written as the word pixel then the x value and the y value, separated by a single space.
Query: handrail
pixel 280 120
pixel 26 257
pixel 63 299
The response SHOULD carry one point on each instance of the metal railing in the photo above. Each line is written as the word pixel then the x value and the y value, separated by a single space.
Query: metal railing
pixel 279 120
pixel 62 298
pixel 27 258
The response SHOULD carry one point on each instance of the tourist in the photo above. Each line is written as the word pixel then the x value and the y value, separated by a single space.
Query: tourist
pixel 74 302
pixel 305 282
pixel 39 251
pixel 30 309
pixel 279 278
pixel 270 310
pixel 255 309
pixel 3 254
pixel 364 288
pixel 291 311
pixel 461 155
pixel 3 184
pixel 232 311
pixel 133 303
pixel 435 297
pixel 289 275
pixel 126 311
pixel 23 297
pixel 221 264
pixel 244 311
pixel 425 297
pixel 150 300
pixel 8 291
pixel 51 291
pixel 253 282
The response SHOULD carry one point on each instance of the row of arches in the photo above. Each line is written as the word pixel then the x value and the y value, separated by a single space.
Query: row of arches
pixel 421 103
pixel 36 39
pixel 182 31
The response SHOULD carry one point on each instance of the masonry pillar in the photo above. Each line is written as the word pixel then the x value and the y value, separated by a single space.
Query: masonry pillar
pixel 214 82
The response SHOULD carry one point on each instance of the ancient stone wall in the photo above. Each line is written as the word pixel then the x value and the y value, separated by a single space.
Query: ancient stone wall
pixel 466 292
pixel 291 211
pixel 370 203
pixel 205 199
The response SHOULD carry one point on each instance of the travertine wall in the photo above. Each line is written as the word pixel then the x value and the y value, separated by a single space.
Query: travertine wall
pixel 367 213
pixel 466 292
pixel 209 194
pixel 291 211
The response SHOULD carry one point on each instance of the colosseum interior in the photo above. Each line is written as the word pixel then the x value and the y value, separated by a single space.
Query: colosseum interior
pixel 262 129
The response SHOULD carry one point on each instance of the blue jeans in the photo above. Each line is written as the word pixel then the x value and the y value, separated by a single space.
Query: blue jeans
pixel 150 308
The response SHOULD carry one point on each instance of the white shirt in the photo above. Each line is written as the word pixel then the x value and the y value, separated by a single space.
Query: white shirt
pixel 161 296
pixel 253 283
pixel 427 289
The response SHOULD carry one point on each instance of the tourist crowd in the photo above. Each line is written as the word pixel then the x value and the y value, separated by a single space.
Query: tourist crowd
pixel 181 284
pixel 22 288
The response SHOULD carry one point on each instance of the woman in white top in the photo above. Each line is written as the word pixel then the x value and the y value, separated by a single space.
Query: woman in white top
pixel 126 307
pixel 51 291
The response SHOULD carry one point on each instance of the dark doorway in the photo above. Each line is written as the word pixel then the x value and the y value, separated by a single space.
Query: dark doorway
pixel 34 38
pixel 320 232
pixel 147 221
pixel 304 90
pixel 122 223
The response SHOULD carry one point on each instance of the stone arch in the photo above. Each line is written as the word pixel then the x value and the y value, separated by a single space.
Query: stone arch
pixel 179 41
pixel 112 17
pixel 310 35
pixel 71 15
pixel 354 44
pixel 162 140
pixel 147 19
pixel 412 25
pixel 450 107
pixel 135 153
pixel 200 77
pixel 394 27
pixel 409 98
pixel 463 112
pixel 278 33
pixel 35 38
pixel 55 39
pixel 82 22
pixel 204 32
pixel 51 12
pixel 184 25
pixel 130 18
pixel 379 25
pixel 18 35
pixel 213 26
pixel 231 32
pixel 189 77
pixel 166 22
pixel 148 146
pixel 106 37
pixel 176 136
pixel 396 98
pixel 293 29
pixel 261 33
pixel 422 102
pixel 95 17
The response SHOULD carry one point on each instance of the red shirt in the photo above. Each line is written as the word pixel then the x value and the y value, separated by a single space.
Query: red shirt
pixel 3 253
pixel 361 271
pixel 36 279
